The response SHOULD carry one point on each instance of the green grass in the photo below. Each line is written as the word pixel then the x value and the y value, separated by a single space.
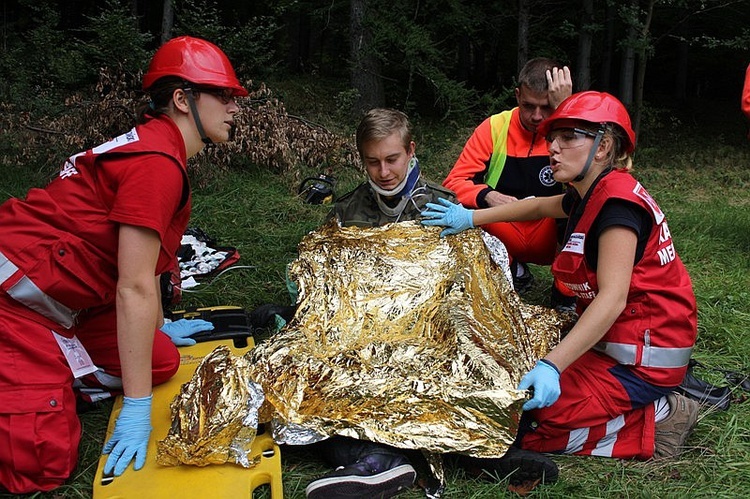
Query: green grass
pixel 701 184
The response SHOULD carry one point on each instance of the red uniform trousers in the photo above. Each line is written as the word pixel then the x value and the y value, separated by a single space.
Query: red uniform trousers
pixel 593 416
pixel 39 427
pixel 533 241
pixel 98 334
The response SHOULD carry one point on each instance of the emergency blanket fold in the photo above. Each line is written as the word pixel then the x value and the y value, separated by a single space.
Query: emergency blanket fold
pixel 215 415
pixel 401 337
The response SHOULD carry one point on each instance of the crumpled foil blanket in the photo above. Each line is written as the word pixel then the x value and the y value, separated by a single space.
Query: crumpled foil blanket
pixel 215 415
pixel 400 337
pixel 404 338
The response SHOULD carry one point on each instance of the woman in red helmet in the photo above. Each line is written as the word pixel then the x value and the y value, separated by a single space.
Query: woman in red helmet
pixel 79 267
pixel 607 388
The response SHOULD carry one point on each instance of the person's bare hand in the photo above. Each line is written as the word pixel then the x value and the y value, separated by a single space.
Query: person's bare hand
pixel 560 85
pixel 494 198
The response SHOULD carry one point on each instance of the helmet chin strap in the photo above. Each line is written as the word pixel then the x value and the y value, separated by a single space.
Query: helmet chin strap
pixel 590 159
pixel 196 116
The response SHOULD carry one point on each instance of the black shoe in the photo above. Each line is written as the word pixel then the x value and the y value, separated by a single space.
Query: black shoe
pixel 522 277
pixel 365 478
pixel 519 466
pixel 704 392
pixel 562 303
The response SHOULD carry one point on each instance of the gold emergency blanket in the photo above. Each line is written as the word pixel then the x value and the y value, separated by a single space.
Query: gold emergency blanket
pixel 215 415
pixel 404 338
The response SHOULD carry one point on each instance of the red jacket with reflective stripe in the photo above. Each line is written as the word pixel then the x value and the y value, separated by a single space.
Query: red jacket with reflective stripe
pixel 656 331
pixel 64 237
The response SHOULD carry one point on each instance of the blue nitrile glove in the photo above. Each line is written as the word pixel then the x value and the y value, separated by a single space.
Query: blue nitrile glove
pixel 452 215
pixel 130 438
pixel 180 331
pixel 545 379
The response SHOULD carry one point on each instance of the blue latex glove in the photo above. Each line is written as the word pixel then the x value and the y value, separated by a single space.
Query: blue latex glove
pixel 545 379
pixel 180 331
pixel 130 438
pixel 452 215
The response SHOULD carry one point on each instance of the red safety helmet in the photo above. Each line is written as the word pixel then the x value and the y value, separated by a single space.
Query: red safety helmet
pixel 195 60
pixel 595 107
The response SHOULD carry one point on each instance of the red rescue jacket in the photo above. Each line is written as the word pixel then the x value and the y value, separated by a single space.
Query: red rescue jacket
pixel 58 247
pixel 656 331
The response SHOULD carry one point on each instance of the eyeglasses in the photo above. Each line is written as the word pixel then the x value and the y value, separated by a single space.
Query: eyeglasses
pixel 568 138
pixel 225 95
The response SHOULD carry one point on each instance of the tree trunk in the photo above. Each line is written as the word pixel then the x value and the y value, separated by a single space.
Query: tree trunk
pixel 298 29
pixel 582 80
pixel 681 74
pixel 365 67
pixel 627 71
pixel 523 33
pixel 643 54
pixel 463 65
pixel 605 74
pixel 167 21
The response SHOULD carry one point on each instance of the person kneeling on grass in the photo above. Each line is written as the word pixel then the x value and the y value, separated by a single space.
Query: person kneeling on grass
pixel 79 269
pixel 607 389
pixel 395 191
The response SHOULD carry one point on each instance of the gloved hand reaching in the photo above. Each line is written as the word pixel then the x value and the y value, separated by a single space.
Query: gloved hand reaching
pixel 130 438
pixel 180 331
pixel 451 215
pixel 545 379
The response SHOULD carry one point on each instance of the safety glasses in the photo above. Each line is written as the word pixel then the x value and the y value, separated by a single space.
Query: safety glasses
pixel 568 138
pixel 225 95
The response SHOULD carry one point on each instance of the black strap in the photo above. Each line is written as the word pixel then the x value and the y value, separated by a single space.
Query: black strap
pixel 590 159
pixel 185 188
pixel 196 116
pixel 734 378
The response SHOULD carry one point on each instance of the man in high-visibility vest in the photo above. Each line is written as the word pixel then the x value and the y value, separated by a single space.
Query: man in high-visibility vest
pixel 505 160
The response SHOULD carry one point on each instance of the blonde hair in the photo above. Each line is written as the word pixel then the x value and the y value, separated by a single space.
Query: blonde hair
pixel 618 156
pixel 380 123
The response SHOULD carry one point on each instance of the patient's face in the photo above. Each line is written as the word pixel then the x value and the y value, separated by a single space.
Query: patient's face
pixel 387 160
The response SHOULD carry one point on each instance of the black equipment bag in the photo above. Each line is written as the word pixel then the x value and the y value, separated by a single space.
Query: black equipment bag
pixel 230 322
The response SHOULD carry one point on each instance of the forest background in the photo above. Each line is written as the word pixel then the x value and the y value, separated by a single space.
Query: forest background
pixel 70 74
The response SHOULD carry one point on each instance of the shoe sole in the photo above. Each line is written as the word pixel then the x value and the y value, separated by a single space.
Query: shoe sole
pixel 381 486
pixel 521 470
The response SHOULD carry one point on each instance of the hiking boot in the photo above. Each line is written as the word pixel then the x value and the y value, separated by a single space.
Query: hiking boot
pixel 519 466
pixel 672 432
pixel 561 303
pixel 522 277
pixel 378 476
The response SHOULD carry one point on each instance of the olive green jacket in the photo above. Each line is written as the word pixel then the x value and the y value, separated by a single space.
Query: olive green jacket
pixel 360 208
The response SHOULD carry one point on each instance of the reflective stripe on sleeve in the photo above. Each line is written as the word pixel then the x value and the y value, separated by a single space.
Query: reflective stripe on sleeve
pixel 657 357
pixel 26 292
